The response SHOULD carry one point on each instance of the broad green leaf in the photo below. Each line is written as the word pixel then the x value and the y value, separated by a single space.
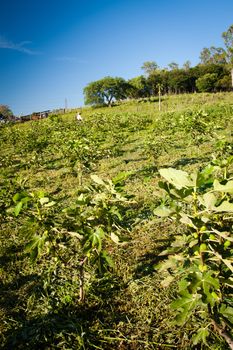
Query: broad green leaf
pixel 16 197
pixel 200 336
pixel 224 206
pixel 35 246
pixel 19 196
pixel 18 208
pixel 182 316
pixel 223 188
pixel 209 200
pixel 183 284
pixel 96 238
pixel 185 305
pixel 190 300
pixel 227 311
pixel 209 282
pixel 107 259
pixel 97 179
pixel 121 177
pixel 119 240
pixel 115 238
pixel 41 194
pixel 186 220
pixel 43 200
pixel 162 211
pixel 177 178
pixel 114 210
pixel 50 204
pixel 75 234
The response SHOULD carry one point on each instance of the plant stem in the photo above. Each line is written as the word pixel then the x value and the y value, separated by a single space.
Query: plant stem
pixel 223 333
pixel 81 280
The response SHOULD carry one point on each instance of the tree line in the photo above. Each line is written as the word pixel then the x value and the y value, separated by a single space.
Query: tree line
pixel 212 74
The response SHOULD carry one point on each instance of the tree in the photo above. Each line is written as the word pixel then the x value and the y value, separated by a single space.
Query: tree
pixel 149 67
pixel 207 82
pixel 105 91
pixel 138 87
pixel 173 66
pixel 213 55
pixel 187 65
pixel 228 41
pixel 156 78
pixel 224 83
pixel 5 112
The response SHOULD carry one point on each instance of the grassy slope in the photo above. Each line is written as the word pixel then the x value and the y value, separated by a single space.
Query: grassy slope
pixel 128 309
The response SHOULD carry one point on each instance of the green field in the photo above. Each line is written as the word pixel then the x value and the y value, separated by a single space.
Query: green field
pixel 84 252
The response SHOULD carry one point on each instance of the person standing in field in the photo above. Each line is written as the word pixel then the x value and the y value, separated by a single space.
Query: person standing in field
pixel 79 117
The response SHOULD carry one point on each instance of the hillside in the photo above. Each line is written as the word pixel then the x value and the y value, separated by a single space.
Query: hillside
pixel 82 239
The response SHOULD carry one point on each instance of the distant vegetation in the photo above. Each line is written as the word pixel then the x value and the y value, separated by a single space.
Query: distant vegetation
pixel 116 232
pixel 5 113
pixel 212 74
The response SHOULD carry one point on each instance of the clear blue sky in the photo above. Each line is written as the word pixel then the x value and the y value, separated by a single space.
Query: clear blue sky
pixel 51 49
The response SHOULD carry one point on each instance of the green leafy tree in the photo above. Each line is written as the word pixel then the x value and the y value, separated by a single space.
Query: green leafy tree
pixel 105 91
pixel 187 65
pixel 173 66
pixel 207 83
pixel 216 55
pixel 5 112
pixel 149 67
pixel 228 41
pixel 224 83
pixel 200 258
pixel 157 78
pixel 179 81
pixel 138 87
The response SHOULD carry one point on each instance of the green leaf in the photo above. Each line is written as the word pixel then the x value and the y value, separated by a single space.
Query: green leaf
pixel 228 187
pixel 209 200
pixel 36 245
pixel 209 282
pixel 76 235
pixel 107 259
pixel 200 336
pixel 97 180
pixel 18 208
pixel 227 311
pixel 115 238
pixel 186 299
pixel 19 196
pixel 95 238
pixel 224 206
pixel 162 211
pixel 16 197
pixel 183 285
pixel 177 178
pixel 43 200
pixel 186 220
pixel 50 204
pixel 185 305
pixel 121 177
pixel 41 194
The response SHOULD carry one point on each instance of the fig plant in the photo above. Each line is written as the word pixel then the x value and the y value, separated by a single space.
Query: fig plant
pixel 92 222
pixel 201 253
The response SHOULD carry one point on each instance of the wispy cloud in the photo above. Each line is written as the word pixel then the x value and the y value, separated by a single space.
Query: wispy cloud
pixel 69 59
pixel 7 44
pixel 66 58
